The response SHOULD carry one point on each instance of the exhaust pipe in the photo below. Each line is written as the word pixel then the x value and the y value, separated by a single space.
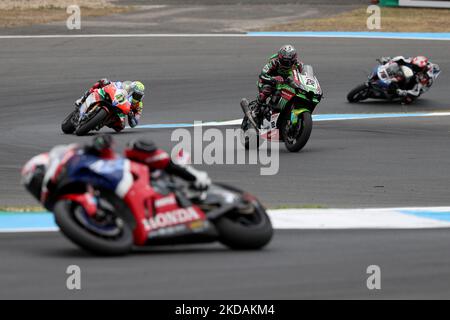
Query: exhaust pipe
pixel 247 112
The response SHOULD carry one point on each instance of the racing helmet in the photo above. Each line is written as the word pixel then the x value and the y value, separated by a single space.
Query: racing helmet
pixel 287 55
pixel 140 150
pixel 137 91
pixel 420 62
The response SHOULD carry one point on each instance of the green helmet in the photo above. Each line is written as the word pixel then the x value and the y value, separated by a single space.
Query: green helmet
pixel 137 90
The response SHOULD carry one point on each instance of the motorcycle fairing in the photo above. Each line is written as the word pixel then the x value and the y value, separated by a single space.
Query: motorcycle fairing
pixel 271 132
pixel 93 98
pixel 111 174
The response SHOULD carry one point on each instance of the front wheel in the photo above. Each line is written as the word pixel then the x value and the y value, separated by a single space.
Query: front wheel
pixel 105 234
pixel 67 125
pixel 359 93
pixel 91 122
pixel 248 231
pixel 296 136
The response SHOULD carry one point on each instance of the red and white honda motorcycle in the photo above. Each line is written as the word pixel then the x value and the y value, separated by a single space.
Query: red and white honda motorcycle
pixel 107 206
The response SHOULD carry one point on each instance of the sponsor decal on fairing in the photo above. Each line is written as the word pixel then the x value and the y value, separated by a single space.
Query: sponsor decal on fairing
pixel 171 218
pixel 166 201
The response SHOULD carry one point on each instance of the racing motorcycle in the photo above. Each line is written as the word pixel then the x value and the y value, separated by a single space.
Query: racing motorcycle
pixel 96 112
pixel 289 117
pixel 378 84
pixel 109 206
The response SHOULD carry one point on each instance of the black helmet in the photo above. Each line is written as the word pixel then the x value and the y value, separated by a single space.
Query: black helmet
pixel 140 150
pixel 142 144
pixel 287 55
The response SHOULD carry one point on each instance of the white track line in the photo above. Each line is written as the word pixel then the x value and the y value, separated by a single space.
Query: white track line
pixel 389 218
pixel 137 35
pixel 372 218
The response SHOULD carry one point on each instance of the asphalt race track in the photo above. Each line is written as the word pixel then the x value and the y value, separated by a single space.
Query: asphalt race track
pixel 355 163
pixel 296 265
pixel 204 79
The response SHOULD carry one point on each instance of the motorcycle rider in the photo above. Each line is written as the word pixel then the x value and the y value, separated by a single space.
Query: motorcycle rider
pixel 145 151
pixel 38 172
pixel 425 73
pixel 393 77
pixel 276 70
pixel 135 94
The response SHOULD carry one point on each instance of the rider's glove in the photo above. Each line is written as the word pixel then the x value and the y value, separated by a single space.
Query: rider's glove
pixel 79 102
pixel 132 120
pixel 202 180
pixel 278 79
pixel 402 93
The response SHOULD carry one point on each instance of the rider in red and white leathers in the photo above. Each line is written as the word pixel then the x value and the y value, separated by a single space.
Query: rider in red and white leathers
pixel 38 172
pixel 425 73
pixel 146 152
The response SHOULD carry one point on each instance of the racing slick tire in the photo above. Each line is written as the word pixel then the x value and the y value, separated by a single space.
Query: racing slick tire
pixel 91 123
pixel 245 231
pixel 303 137
pixel 359 93
pixel 67 126
pixel 71 227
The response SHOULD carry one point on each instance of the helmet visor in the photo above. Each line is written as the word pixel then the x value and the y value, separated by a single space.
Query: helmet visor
pixel 287 62
pixel 137 96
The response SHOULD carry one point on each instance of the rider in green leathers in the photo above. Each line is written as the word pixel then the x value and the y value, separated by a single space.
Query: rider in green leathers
pixel 276 71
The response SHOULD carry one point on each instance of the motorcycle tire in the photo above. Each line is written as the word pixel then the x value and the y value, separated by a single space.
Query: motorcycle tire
pixel 236 234
pixel 67 126
pixel 91 123
pixel 359 93
pixel 303 136
pixel 86 239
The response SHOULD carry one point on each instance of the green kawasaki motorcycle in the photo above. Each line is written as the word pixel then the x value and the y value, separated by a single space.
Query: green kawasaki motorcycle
pixel 288 118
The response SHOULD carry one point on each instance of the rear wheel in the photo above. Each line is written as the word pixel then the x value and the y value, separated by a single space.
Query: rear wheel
pixel 249 231
pixel 67 125
pixel 296 136
pixel 360 93
pixel 91 122
pixel 105 233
